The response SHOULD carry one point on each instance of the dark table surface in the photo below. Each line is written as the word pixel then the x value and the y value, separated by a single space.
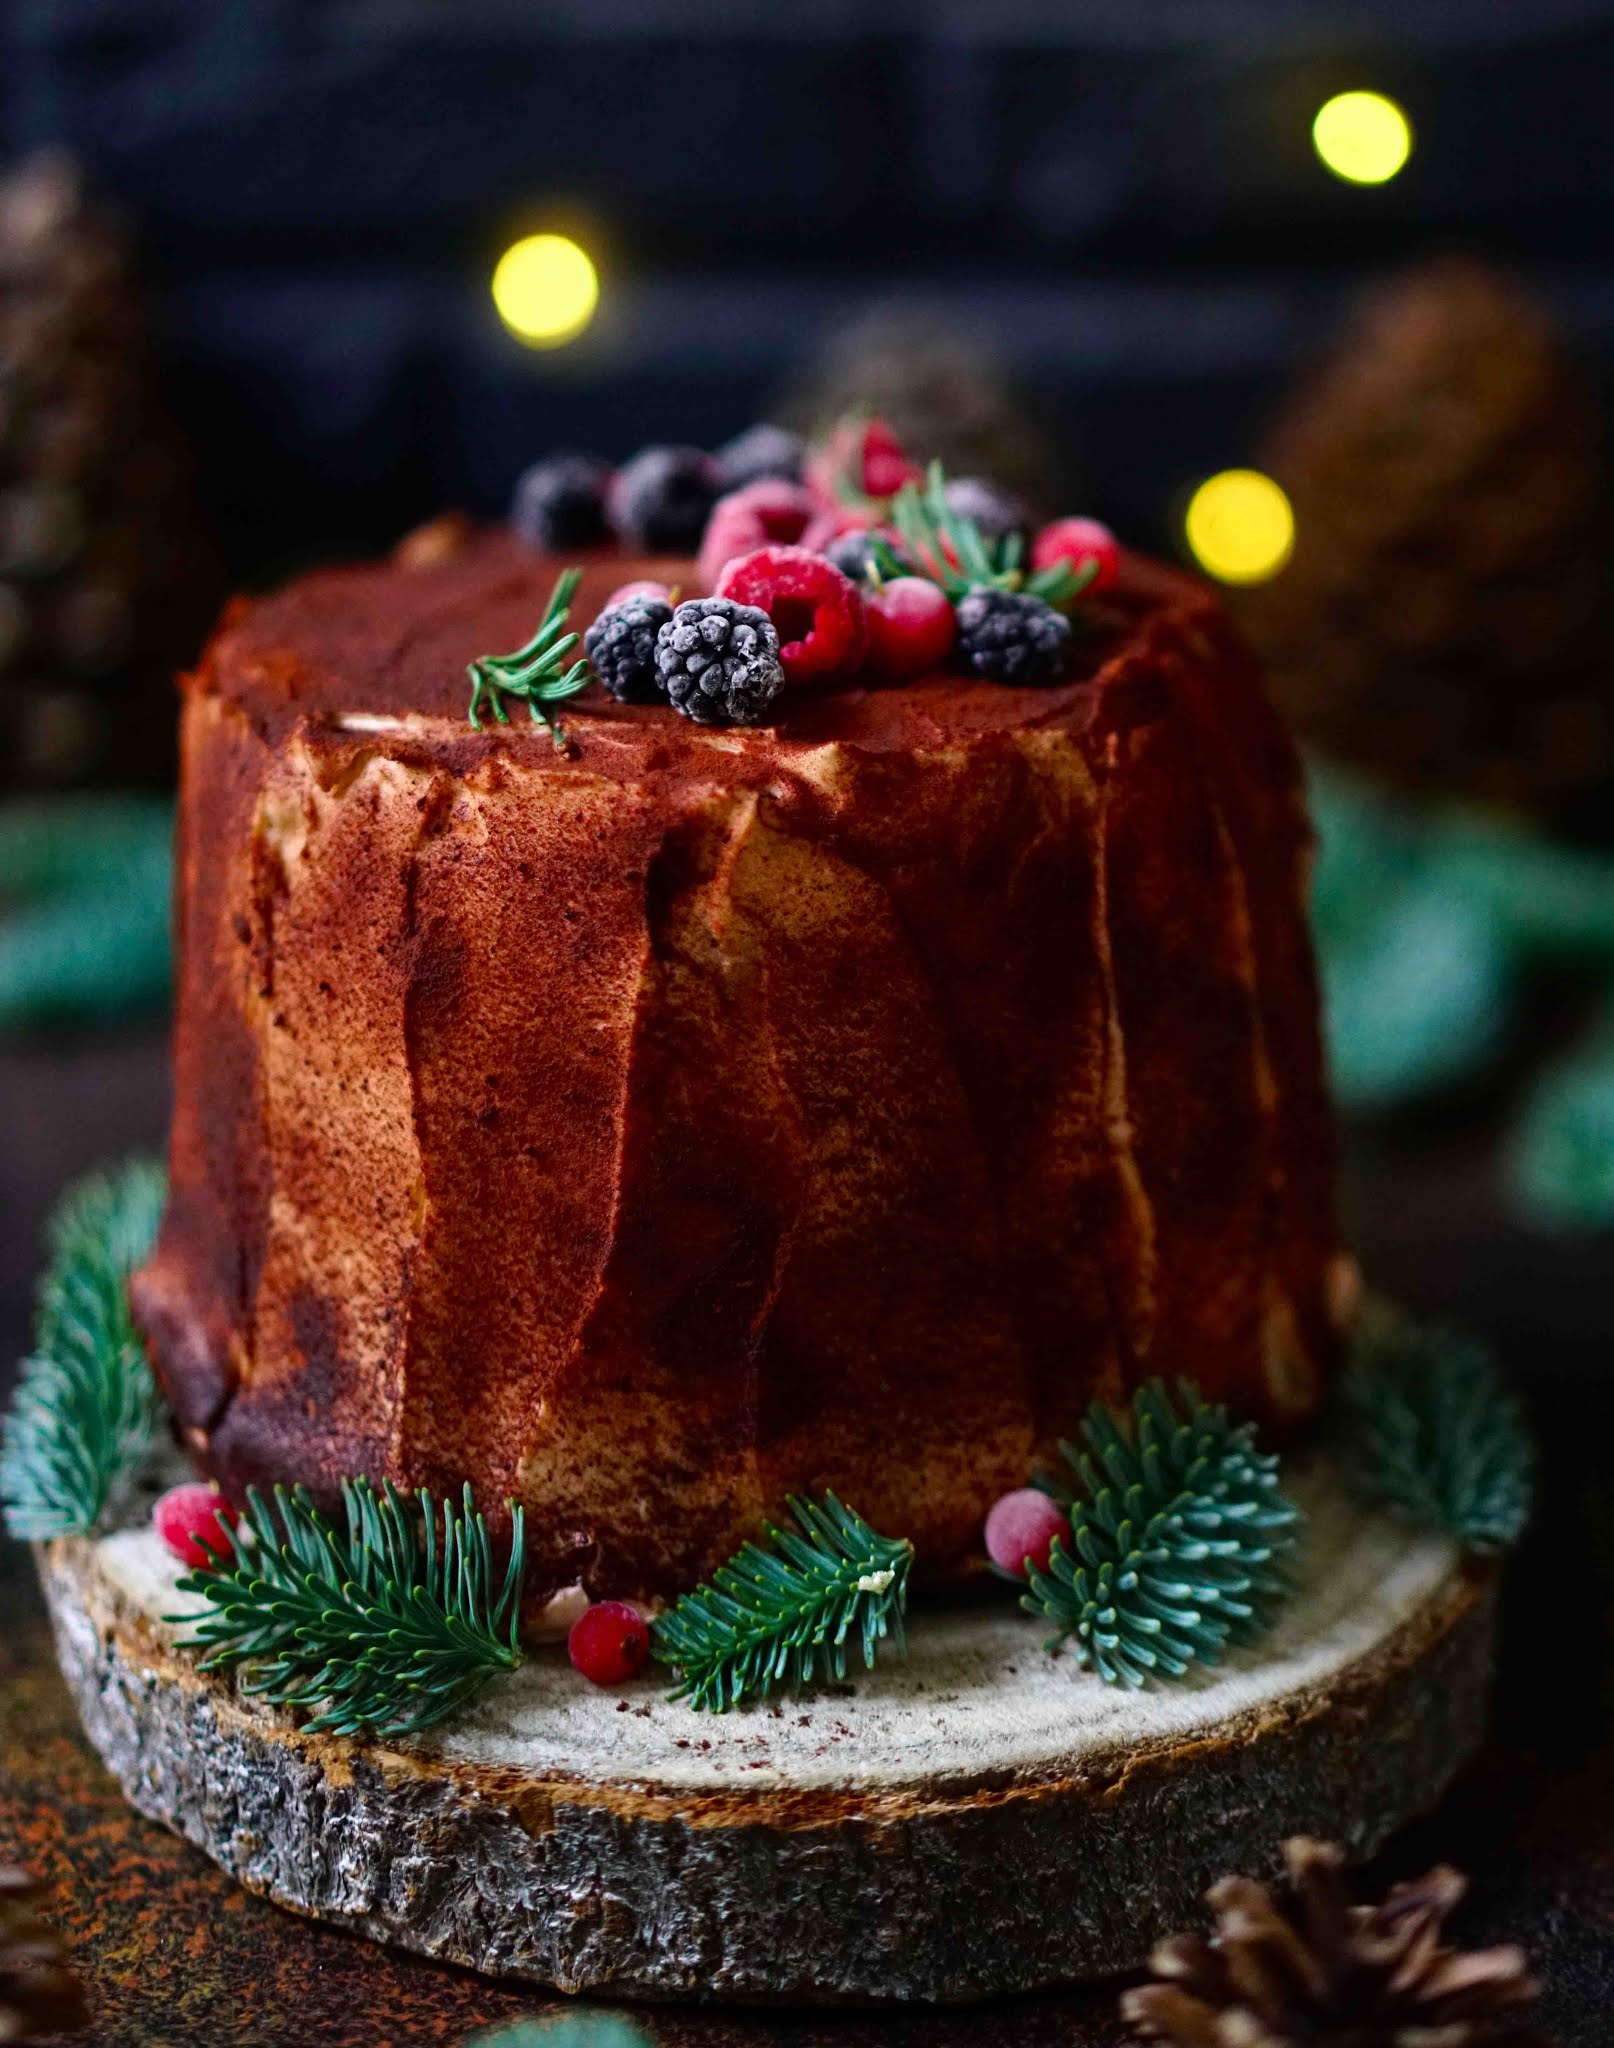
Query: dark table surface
pixel 175 1954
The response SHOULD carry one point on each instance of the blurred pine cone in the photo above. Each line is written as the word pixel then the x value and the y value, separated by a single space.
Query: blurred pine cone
pixel 1323 1973
pixel 946 398
pixel 39 1995
pixel 1447 618
pixel 104 588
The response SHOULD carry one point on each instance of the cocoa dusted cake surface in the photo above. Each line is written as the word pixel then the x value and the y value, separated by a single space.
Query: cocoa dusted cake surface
pixel 654 1128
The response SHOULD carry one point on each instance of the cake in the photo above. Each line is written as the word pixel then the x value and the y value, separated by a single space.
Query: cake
pixel 649 1129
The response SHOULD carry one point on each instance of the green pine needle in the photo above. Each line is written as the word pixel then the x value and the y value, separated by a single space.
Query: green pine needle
pixel 1432 1429
pixel 536 673
pixel 390 1625
pixel 952 551
pixel 768 1619
pixel 1180 1540
pixel 82 1417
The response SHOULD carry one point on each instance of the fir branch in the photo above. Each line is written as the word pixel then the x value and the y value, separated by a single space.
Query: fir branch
pixel 952 551
pixel 84 1411
pixel 537 672
pixel 392 1624
pixel 1179 1544
pixel 767 1619
pixel 1432 1429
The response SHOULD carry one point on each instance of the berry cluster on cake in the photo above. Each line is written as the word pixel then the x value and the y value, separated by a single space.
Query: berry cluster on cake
pixel 884 1026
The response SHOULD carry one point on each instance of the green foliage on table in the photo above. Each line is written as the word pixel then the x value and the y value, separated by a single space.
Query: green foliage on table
pixel 785 1615
pixel 84 1412
pixel 1180 1539
pixel 1433 1430
pixel 389 1624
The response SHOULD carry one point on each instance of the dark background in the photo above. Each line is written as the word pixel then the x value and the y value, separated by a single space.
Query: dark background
pixel 1122 199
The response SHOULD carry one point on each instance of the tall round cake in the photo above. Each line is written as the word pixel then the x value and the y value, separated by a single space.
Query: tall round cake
pixel 648 1129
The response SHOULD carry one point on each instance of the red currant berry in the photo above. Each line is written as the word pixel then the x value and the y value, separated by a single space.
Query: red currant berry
pixel 770 509
pixel 609 1642
pixel 644 587
pixel 1023 1525
pixel 1079 541
pixel 911 627
pixel 186 1517
pixel 815 610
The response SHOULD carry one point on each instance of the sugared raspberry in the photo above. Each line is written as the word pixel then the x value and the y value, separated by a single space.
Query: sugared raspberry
pixel 816 611
pixel 745 520
pixel 829 525
pixel 609 1642
pixel 864 456
pixel 186 1517
pixel 1079 541
pixel 911 627
pixel 1022 1525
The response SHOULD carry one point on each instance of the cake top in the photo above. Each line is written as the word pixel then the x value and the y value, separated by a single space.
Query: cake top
pixel 849 602
pixel 388 642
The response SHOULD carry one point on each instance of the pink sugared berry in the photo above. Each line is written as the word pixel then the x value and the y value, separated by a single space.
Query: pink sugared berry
pixel 609 1642
pixel 644 587
pixel 1022 1525
pixel 186 1517
pixel 1079 541
pixel 829 525
pixel 861 455
pixel 771 509
pixel 911 627
pixel 816 611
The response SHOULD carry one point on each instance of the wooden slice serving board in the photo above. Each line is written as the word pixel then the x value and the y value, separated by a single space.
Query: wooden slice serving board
pixel 979 1819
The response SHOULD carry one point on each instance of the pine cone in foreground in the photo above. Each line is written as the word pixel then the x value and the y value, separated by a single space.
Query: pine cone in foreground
pixel 1322 1973
pixel 39 1994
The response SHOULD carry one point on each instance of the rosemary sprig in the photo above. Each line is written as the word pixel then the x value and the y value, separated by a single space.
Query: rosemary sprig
pixel 768 1619
pixel 536 673
pixel 952 551
pixel 82 1418
pixel 390 1625
pixel 1179 1539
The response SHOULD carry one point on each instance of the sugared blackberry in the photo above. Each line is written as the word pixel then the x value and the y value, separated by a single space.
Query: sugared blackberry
pixel 994 512
pixel 853 553
pixel 660 500
pixel 760 451
pixel 560 503
pixel 719 661
pixel 621 648
pixel 1012 637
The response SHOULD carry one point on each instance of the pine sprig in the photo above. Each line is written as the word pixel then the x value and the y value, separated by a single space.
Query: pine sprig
pixel 390 1624
pixel 82 1417
pixel 769 1619
pixel 1433 1430
pixel 951 550
pixel 1180 1539
pixel 536 673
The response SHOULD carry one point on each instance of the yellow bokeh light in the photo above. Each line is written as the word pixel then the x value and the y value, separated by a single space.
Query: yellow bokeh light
pixel 546 289
pixel 1240 526
pixel 1362 137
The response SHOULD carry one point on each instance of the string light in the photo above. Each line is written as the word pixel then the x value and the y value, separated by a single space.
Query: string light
pixel 1240 526
pixel 1362 137
pixel 546 289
